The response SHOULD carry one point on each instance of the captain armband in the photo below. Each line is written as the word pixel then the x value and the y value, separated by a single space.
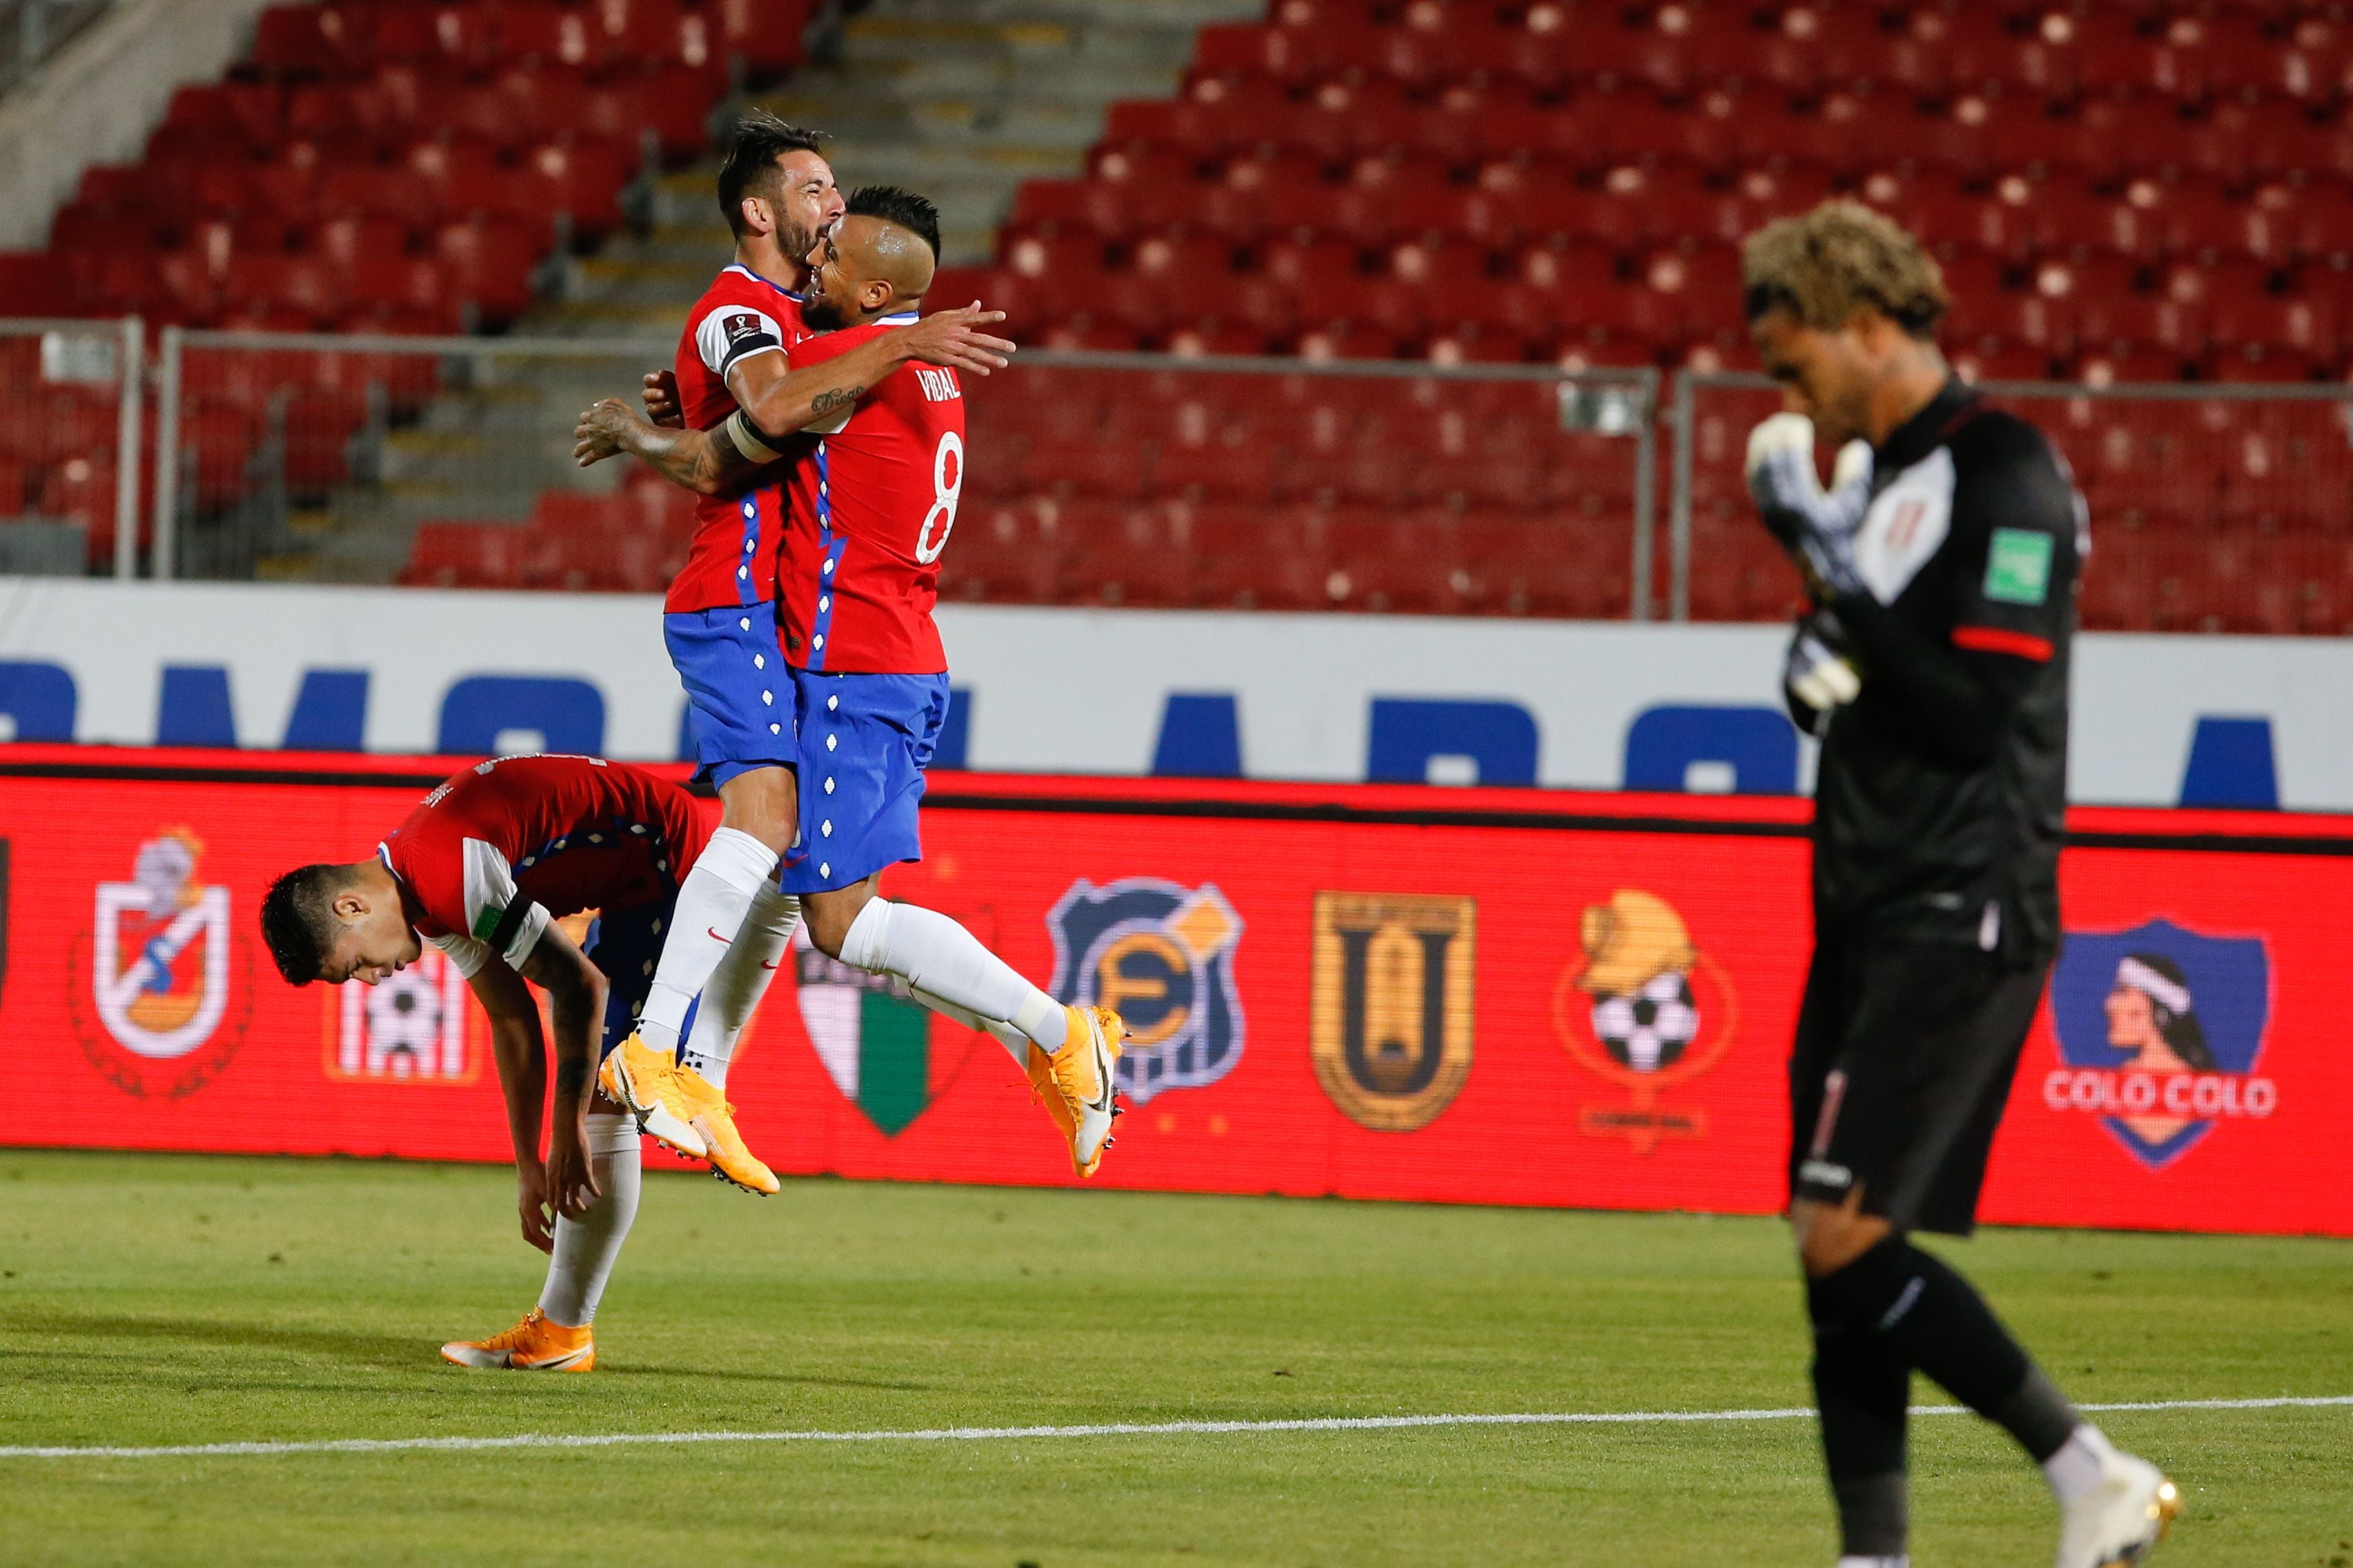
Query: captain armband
pixel 749 439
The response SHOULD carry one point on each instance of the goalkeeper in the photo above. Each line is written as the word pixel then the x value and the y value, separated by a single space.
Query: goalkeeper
pixel 1941 562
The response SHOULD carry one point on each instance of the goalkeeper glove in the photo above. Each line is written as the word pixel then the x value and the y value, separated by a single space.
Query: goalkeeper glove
pixel 1820 677
pixel 1816 526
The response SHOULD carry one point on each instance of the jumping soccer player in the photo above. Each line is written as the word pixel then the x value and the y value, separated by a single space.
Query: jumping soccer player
pixel 482 869
pixel 719 621
pixel 873 503
pixel 1942 564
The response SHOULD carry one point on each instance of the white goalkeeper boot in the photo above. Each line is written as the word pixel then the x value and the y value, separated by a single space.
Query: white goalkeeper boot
pixel 2118 1520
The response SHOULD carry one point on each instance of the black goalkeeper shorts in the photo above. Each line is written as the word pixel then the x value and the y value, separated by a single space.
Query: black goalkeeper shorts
pixel 1902 1066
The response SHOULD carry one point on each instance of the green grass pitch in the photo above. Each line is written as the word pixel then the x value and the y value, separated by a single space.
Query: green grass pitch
pixel 152 1299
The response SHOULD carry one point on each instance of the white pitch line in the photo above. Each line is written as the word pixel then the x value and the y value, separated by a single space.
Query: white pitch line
pixel 1108 1429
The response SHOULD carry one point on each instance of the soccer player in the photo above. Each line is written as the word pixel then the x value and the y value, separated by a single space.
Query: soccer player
pixel 482 869
pixel 719 618
pixel 873 503
pixel 1942 564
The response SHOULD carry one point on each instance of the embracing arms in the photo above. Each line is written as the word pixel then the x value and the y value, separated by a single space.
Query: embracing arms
pixel 773 401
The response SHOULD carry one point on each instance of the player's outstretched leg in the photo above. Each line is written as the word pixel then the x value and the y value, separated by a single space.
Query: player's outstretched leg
pixel 2114 1508
pixel 554 1335
pixel 1068 1053
pixel 728 1001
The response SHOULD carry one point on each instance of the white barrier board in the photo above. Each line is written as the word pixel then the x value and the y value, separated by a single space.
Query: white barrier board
pixel 1585 705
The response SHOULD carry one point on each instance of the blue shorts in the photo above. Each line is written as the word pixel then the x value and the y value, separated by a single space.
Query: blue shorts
pixel 738 699
pixel 865 742
pixel 626 944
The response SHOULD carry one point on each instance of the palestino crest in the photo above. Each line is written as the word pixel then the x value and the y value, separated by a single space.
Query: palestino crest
pixel 1645 1010
pixel 2160 1032
pixel 414 1027
pixel 1390 1018
pixel 156 1016
pixel 1160 955
pixel 874 1038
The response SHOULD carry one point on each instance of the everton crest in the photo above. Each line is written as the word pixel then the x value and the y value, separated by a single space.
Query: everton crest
pixel 1391 1009
pixel 1161 955
pixel 1646 1011
pixel 155 1009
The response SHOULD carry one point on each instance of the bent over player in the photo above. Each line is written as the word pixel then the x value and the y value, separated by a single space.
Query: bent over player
pixel 1943 565
pixel 719 616
pixel 482 869
pixel 873 501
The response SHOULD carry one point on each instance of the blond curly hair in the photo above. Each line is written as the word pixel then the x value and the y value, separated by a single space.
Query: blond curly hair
pixel 1839 259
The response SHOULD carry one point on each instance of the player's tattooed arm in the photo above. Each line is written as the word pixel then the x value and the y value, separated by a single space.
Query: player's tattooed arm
pixel 520 1052
pixel 705 461
pixel 779 400
pixel 576 995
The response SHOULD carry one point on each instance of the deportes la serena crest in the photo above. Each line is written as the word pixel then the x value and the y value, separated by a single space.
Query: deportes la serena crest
pixel 164 1004
pixel 1645 1011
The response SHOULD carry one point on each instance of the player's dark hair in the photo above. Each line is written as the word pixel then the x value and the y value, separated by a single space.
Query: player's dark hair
pixel 911 211
pixel 298 920
pixel 2180 1031
pixel 760 140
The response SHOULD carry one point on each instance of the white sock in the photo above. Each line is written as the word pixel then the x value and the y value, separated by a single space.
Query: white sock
pixel 2075 1469
pixel 734 991
pixel 935 955
pixel 585 1247
pixel 1874 1562
pixel 714 897
pixel 1016 1043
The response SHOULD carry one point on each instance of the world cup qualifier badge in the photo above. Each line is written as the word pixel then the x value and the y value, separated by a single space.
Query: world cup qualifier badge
pixel 160 987
pixel 1161 955
pixel 875 1040
pixel 1645 1010
pixel 2160 1030
pixel 1391 1009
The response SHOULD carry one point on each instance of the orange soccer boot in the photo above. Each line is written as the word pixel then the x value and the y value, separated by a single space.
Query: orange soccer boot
pixel 1075 1083
pixel 648 1081
pixel 713 1120
pixel 532 1345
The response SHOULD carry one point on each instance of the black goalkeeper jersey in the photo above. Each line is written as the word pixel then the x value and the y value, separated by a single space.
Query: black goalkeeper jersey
pixel 1942 787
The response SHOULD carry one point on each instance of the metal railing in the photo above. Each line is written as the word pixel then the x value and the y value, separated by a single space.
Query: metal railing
pixel 448 460
pixel 72 394
pixel 33 30
pixel 2214 506
pixel 1121 478
pixel 320 455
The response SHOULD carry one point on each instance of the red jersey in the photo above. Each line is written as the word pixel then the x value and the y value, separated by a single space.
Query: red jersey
pixel 732 559
pixel 497 852
pixel 872 504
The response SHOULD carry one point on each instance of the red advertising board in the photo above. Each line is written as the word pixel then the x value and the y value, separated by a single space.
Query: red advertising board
pixel 1453 995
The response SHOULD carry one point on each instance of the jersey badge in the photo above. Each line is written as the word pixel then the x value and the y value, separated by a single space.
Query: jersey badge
pixel 1391 1014
pixel 1646 1011
pixel 1161 955
pixel 2017 566
pixel 154 1010
pixel 2160 1030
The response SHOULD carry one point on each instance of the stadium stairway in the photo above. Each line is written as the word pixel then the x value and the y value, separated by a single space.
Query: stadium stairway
pixel 961 100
